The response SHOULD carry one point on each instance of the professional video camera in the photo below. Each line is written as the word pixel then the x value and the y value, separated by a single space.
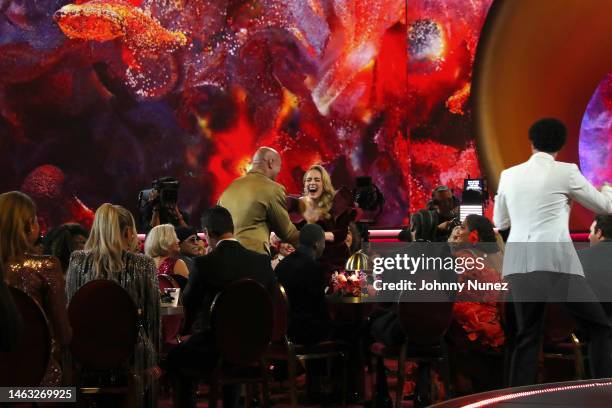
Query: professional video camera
pixel 371 200
pixel 163 196
pixel 367 195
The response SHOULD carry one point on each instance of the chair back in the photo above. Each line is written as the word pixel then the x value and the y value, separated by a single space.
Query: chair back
pixel 104 323
pixel 425 323
pixel 242 320
pixel 558 325
pixel 280 302
pixel 166 282
pixel 27 365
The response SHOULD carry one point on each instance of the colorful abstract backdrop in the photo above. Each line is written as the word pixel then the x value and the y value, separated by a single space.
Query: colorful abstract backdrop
pixel 98 98
pixel 595 143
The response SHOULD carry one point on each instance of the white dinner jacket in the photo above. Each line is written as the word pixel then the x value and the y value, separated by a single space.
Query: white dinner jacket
pixel 534 198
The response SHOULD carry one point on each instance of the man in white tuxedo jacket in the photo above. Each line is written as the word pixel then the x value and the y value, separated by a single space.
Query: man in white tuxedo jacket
pixel 534 201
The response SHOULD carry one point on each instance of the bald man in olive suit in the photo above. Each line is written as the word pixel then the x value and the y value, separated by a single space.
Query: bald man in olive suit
pixel 257 204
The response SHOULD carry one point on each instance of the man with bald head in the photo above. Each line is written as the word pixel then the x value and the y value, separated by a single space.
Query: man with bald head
pixel 258 204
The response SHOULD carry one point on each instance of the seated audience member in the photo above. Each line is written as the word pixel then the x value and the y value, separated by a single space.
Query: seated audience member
pixel 107 255
pixel 597 259
pixel 280 249
pixel 477 332
pixel 228 262
pixel 39 276
pixel 162 245
pixel 384 326
pixel 353 238
pixel 189 245
pixel 11 324
pixel 304 280
pixel 63 240
pixel 203 247
pixel 303 277
pixel 436 222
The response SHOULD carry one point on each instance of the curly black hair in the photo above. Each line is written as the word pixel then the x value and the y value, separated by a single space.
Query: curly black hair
pixel 548 135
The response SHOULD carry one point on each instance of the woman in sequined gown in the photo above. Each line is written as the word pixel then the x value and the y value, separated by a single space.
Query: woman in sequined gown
pixel 162 245
pixel 107 256
pixel 39 276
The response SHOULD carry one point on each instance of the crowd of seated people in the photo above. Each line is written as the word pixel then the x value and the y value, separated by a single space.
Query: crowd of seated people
pixel 299 245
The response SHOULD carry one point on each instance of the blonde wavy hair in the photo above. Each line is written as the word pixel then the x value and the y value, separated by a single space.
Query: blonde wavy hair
pixel 17 214
pixel 326 199
pixel 159 240
pixel 106 238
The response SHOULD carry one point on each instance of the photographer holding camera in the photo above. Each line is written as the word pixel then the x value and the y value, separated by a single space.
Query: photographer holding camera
pixel 158 205
pixel 436 222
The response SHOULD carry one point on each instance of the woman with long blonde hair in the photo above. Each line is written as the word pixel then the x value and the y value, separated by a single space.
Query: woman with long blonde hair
pixel 332 210
pixel 108 255
pixel 40 277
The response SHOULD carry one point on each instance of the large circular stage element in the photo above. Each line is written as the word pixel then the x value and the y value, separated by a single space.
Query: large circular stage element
pixel 591 393
pixel 536 59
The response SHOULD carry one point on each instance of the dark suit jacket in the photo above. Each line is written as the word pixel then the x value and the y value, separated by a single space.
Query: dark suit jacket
pixel 11 326
pixel 597 264
pixel 304 282
pixel 229 262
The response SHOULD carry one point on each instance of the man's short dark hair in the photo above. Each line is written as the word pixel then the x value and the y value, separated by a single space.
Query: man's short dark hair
pixel 217 221
pixel 548 135
pixel 604 223
pixel 310 234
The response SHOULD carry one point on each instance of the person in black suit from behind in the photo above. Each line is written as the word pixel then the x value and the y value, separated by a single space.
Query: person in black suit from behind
pixel 596 260
pixel 304 280
pixel 228 262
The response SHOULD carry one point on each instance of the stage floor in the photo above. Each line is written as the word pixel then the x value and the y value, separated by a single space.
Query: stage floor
pixel 595 393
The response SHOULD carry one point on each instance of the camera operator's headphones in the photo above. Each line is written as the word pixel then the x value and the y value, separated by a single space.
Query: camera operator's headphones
pixel 439 189
pixel 424 222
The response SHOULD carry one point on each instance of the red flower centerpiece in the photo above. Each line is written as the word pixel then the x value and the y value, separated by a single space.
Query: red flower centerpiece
pixel 349 283
pixel 352 281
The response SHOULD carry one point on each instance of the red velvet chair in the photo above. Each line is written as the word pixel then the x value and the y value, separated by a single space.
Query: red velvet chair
pixel 560 342
pixel 424 324
pixel 104 322
pixel 282 348
pixel 26 366
pixel 241 319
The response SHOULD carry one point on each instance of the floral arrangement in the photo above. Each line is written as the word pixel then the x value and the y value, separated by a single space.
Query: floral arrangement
pixel 349 283
pixel 481 323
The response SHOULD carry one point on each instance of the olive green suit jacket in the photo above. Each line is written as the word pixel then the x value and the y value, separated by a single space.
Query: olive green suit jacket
pixel 258 206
